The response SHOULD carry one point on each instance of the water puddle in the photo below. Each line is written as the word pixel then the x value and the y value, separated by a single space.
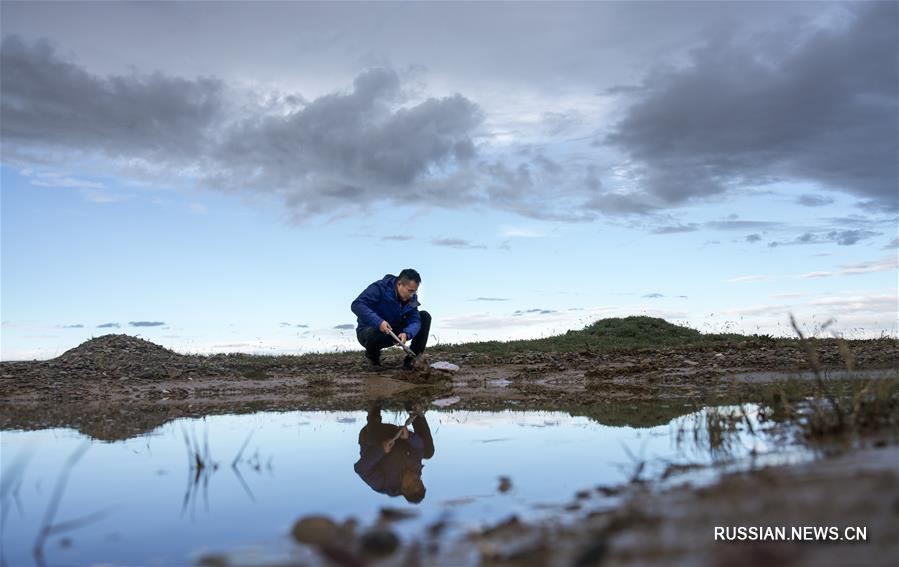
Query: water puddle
pixel 236 484
pixel 827 374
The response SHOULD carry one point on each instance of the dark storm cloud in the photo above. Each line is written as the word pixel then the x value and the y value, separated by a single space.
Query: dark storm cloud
pixel 49 101
pixel 591 45
pixel 349 147
pixel 345 326
pixel 146 323
pixel 457 243
pixel 741 110
pixel 534 188
pixel 814 200
pixel 819 106
pixel 109 326
pixel 621 204
pixel 337 151
pixel 556 123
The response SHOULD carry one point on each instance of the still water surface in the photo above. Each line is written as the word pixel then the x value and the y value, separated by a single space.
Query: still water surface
pixel 155 508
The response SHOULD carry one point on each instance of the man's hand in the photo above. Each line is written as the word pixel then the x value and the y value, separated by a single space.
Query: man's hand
pixel 404 433
pixel 402 337
pixel 387 445
pixel 385 327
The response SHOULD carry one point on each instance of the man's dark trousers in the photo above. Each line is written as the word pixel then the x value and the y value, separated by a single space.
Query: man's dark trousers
pixel 374 340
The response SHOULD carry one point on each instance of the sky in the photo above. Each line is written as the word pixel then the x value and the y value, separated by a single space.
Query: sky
pixel 229 176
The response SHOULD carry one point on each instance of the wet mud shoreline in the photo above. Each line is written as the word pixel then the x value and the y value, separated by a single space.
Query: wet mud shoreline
pixel 109 387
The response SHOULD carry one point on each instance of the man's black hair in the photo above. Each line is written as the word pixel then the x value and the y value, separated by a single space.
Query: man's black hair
pixel 409 275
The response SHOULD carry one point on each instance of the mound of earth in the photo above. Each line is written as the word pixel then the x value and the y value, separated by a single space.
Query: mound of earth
pixel 122 356
pixel 640 326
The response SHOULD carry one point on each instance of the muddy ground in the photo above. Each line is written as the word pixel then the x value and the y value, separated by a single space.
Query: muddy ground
pixel 116 387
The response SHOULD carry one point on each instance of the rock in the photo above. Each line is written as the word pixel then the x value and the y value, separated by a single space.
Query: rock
pixel 610 490
pixel 213 560
pixel 527 548
pixel 397 514
pixel 379 541
pixel 592 554
pixel 315 530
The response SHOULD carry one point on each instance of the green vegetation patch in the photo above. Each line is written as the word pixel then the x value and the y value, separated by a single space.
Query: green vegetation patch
pixel 641 328
pixel 611 333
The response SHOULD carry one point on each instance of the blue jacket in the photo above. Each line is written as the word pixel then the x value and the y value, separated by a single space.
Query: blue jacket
pixel 379 302
pixel 383 472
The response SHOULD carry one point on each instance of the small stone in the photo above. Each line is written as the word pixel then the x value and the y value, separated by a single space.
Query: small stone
pixel 213 561
pixel 397 514
pixel 592 554
pixel 315 530
pixel 379 541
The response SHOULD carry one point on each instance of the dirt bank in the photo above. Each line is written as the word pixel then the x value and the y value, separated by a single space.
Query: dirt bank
pixel 677 526
pixel 117 386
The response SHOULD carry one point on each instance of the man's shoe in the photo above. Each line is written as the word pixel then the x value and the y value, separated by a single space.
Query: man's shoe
pixel 373 361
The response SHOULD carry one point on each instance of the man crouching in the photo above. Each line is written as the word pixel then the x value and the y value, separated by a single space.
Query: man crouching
pixel 391 304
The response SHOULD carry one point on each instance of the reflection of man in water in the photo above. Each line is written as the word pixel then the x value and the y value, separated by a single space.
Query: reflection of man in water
pixel 394 467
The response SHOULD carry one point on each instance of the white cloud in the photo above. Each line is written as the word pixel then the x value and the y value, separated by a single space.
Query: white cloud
pixel 863 314
pixel 100 196
pixel 858 303
pixel 521 232
pixel 58 179
pixel 884 265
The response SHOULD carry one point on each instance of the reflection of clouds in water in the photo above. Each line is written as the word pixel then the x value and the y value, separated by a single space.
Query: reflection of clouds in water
pixel 544 464
pixel 493 419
